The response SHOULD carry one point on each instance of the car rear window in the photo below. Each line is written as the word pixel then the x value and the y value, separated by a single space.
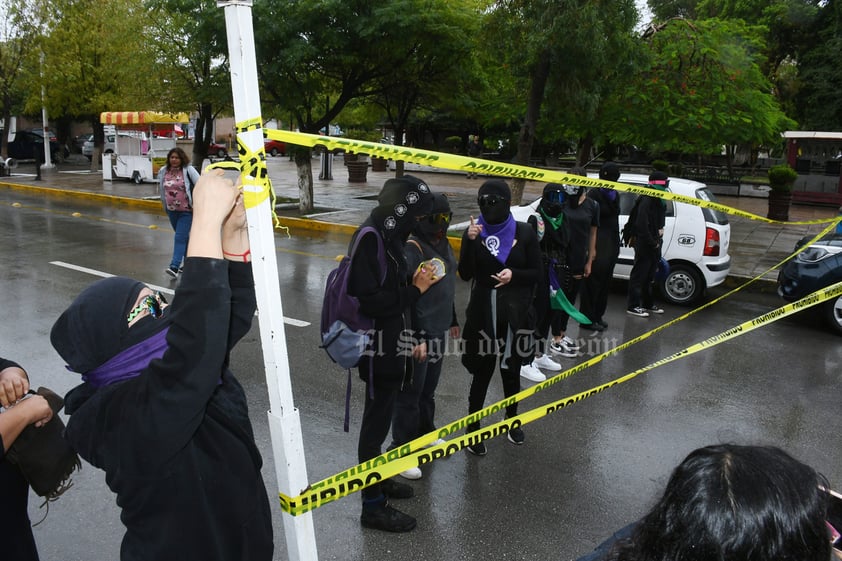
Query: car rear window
pixel 627 202
pixel 713 216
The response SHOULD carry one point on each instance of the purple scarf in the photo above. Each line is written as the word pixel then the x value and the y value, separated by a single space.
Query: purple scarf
pixel 498 238
pixel 128 363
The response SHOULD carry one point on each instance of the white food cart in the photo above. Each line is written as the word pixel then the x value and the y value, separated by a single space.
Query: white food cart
pixel 140 148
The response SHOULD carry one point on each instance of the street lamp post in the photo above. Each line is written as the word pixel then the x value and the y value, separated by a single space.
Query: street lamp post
pixel 48 164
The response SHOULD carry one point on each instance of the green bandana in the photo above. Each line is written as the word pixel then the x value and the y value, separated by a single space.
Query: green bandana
pixel 555 222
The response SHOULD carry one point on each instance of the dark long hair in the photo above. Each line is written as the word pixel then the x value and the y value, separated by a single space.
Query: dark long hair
pixel 735 503
pixel 182 155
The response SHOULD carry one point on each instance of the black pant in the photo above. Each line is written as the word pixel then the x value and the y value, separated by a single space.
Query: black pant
pixel 482 372
pixel 377 419
pixel 642 277
pixel 595 288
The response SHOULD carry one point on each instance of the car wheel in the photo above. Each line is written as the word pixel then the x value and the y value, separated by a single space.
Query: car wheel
pixel 221 153
pixel 683 285
pixel 833 314
pixel 274 151
pixel 136 178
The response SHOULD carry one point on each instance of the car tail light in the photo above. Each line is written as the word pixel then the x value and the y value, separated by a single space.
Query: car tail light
pixel 711 242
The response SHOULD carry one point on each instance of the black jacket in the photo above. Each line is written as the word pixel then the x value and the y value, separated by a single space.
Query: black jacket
pixel 389 305
pixel 175 442
pixel 651 216
pixel 513 301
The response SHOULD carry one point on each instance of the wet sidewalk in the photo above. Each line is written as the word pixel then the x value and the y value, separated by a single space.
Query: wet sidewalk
pixel 340 205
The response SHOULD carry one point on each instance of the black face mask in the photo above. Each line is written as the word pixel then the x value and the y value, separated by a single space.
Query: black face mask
pixel 494 209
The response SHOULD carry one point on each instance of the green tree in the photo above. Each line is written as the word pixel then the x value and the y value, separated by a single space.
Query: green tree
pixel 97 58
pixel 437 75
pixel 192 69
pixel 316 57
pixel 701 88
pixel 558 51
pixel 819 105
pixel 19 32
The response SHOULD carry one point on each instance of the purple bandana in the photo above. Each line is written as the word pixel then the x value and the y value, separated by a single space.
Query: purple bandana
pixel 128 363
pixel 498 238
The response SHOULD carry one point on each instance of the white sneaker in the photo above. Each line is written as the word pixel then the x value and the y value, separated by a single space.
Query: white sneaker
pixel 570 343
pixel 412 473
pixel 545 361
pixel 531 373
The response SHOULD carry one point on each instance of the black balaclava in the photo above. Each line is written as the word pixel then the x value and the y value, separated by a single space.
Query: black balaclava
pixel 400 203
pixel 430 229
pixel 499 192
pixel 94 328
pixel 552 199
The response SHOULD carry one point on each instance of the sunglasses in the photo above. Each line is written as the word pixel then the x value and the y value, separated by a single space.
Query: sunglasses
pixel 554 196
pixel 491 200
pixel 440 218
pixel 153 303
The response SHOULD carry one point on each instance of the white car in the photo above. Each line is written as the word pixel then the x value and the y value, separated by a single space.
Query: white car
pixel 696 240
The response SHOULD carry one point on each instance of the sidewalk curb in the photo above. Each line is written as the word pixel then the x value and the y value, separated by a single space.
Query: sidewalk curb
pixel 295 223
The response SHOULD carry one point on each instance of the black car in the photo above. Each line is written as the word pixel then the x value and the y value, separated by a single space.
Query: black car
pixel 25 144
pixel 815 267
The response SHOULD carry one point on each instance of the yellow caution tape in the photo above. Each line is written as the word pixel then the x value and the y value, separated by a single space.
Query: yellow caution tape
pixel 409 455
pixel 400 459
pixel 257 187
pixel 487 167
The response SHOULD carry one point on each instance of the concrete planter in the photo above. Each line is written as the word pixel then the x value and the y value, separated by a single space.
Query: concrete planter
pixel 357 172
pixel 379 164
pixel 779 203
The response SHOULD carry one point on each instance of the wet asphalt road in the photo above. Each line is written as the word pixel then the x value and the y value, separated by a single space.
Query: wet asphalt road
pixel 582 473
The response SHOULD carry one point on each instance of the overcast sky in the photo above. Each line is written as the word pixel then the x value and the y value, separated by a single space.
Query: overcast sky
pixel 645 14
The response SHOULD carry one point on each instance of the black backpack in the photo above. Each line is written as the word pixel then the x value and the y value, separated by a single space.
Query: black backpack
pixel 627 234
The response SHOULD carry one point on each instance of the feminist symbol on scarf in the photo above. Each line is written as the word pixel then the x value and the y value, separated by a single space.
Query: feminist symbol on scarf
pixel 492 243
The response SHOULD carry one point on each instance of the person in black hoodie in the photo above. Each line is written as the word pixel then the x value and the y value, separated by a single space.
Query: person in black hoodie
pixel 502 260
pixel 387 366
pixel 595 287
pixel 15 528
pixel 649 231
pixel 159 410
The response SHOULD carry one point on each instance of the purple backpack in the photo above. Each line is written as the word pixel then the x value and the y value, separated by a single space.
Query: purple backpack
pixel 346 332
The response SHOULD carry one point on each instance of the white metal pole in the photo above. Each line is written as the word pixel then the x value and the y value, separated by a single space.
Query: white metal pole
pixel 284 420
pixel 48 164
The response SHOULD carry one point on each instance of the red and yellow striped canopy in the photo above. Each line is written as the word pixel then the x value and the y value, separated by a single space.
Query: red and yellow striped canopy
pixel 140 117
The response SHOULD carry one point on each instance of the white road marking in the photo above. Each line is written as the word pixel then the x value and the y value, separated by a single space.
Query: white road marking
pixel 165 290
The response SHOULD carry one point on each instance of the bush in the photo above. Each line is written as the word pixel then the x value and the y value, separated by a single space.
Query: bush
pixel 453 143
pixel 661 165
pixel 781 178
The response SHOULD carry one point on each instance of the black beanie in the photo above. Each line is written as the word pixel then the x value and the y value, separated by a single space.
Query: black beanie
pixel 400 202
pixel 495 187
pixel 609 171
pixel 94 328
pixel 658 175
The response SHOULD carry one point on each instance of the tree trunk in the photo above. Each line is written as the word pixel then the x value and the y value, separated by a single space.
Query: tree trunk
pixel 204 134
pixel 583 153
pixel 304 168
pixel 527 129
